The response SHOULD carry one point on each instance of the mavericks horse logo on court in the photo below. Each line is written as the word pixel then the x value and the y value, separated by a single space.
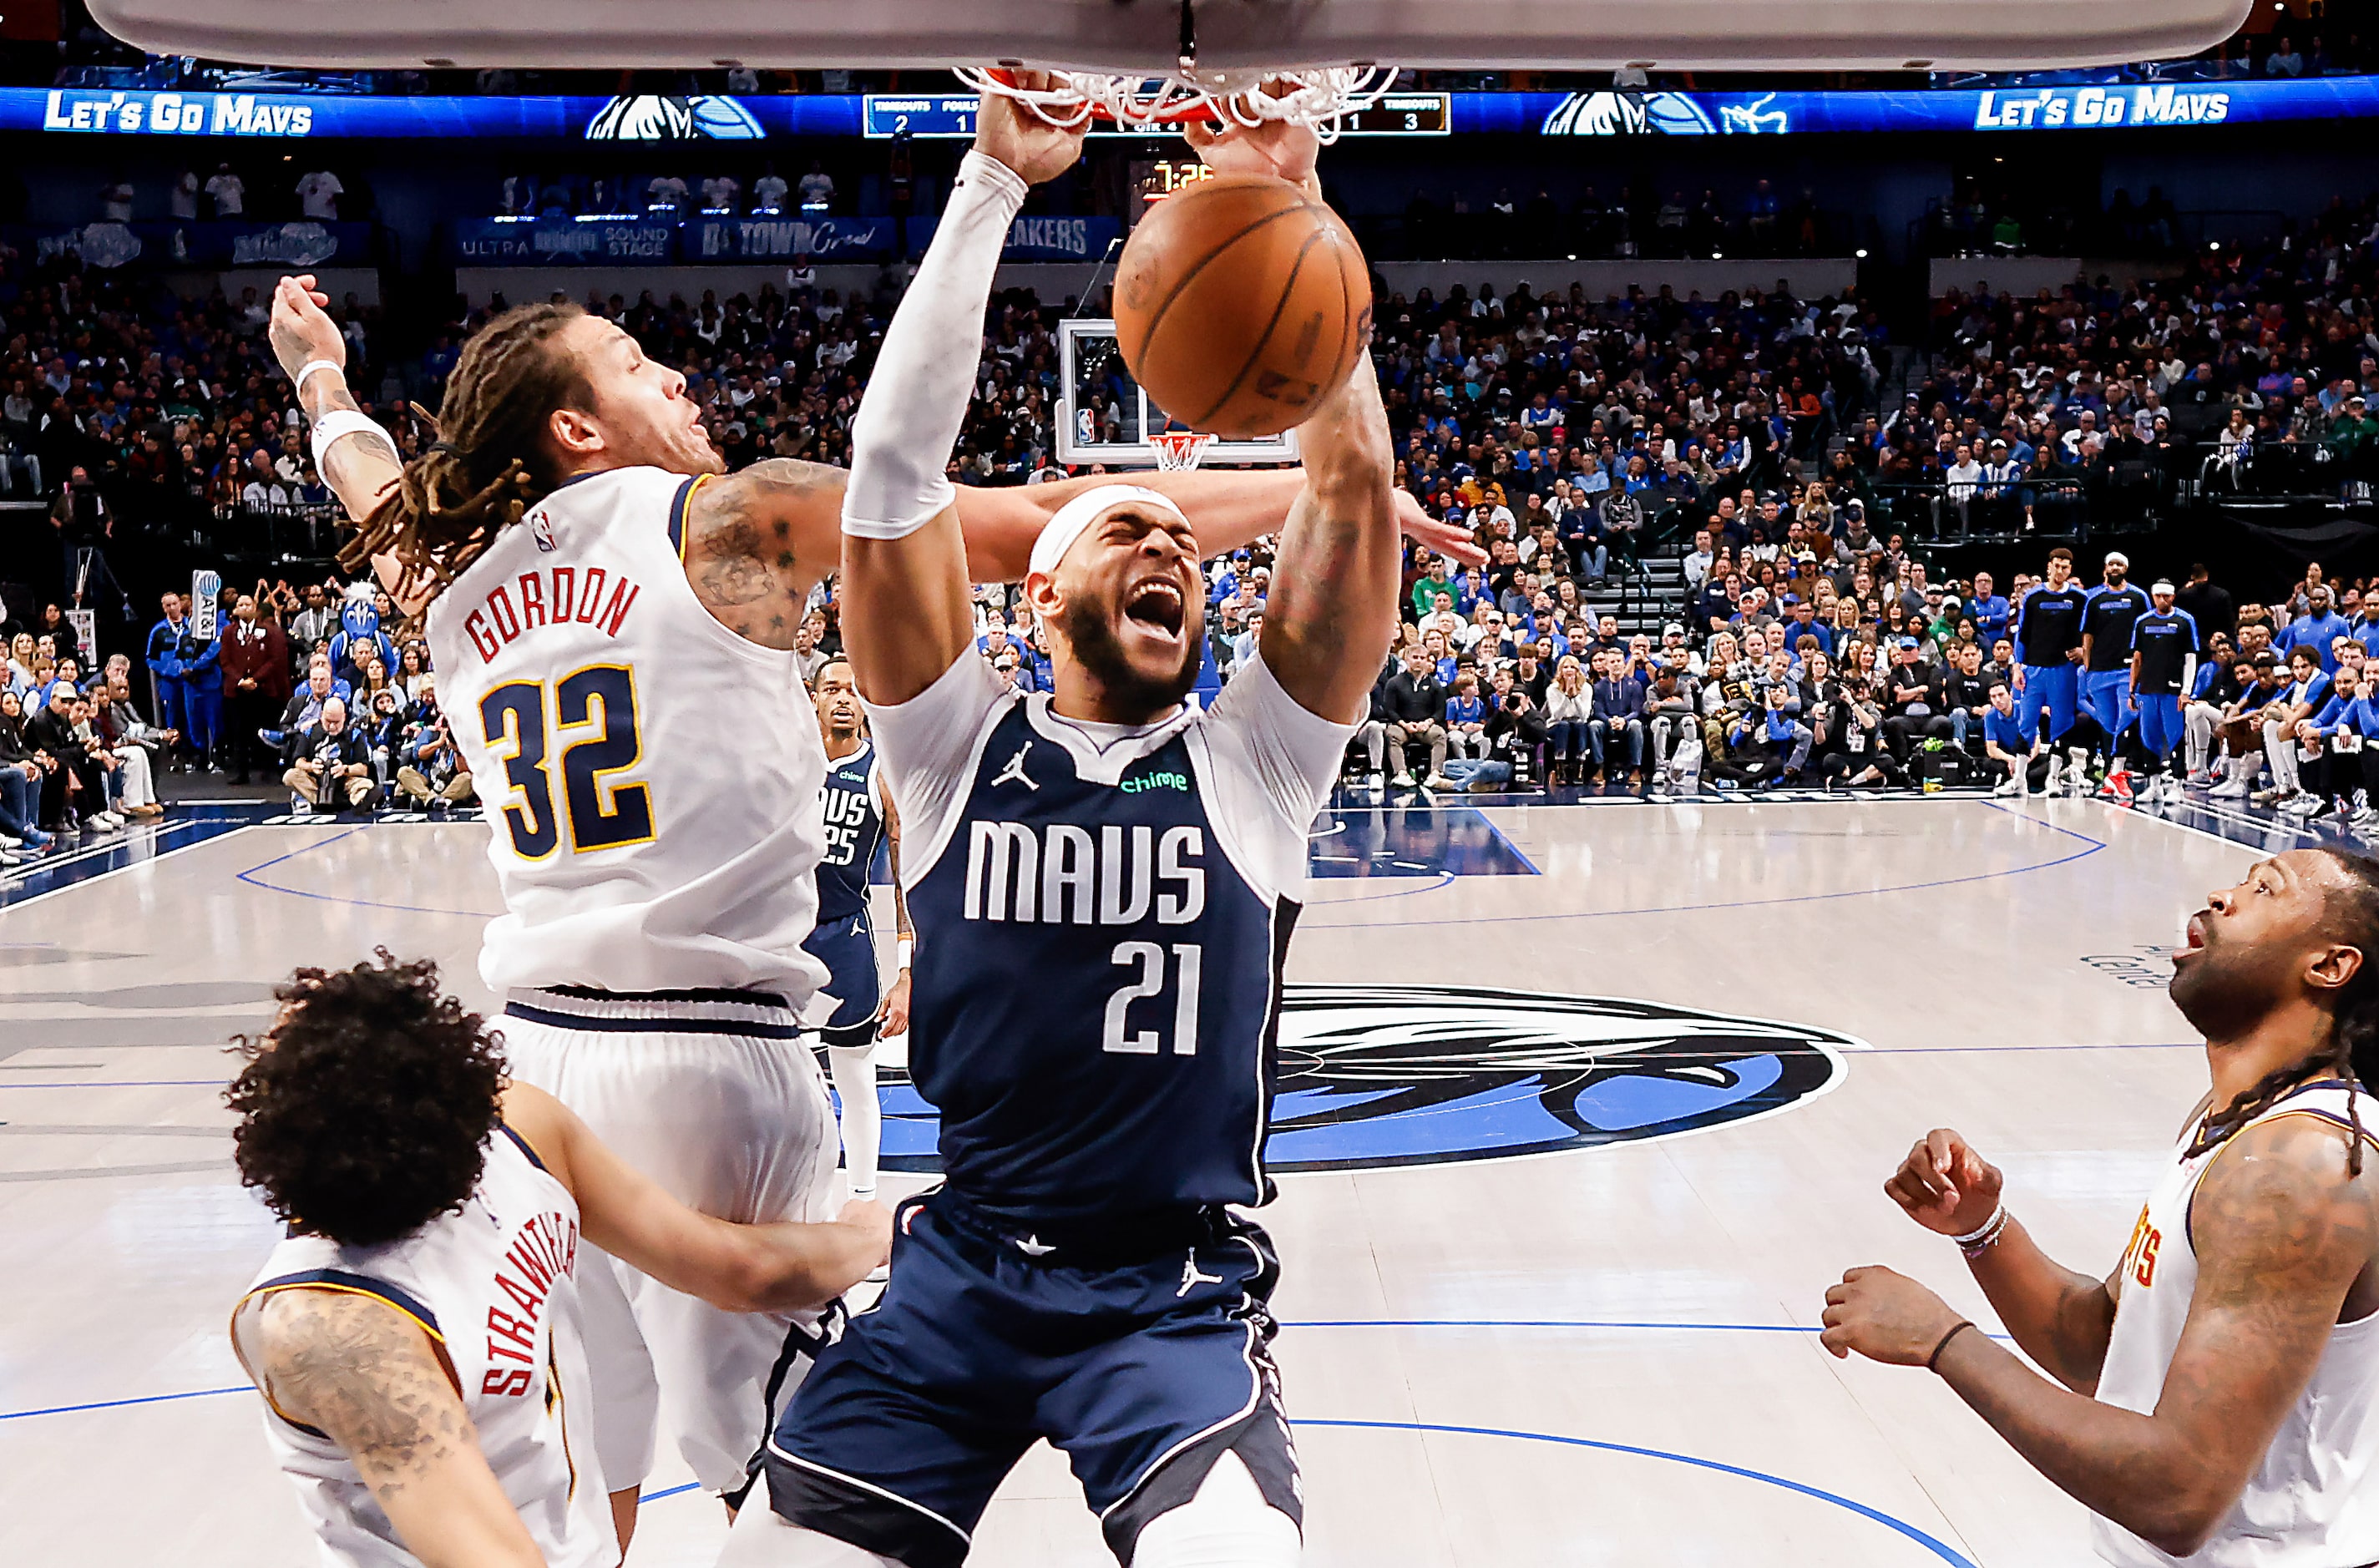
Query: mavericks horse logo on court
pixel 1408 1074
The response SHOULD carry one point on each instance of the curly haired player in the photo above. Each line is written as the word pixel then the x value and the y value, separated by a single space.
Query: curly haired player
pixel 416 1336
pixel 2220 1398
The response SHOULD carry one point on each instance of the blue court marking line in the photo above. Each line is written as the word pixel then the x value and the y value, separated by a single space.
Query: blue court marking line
pixel 1314 1323
pixel 57 873
pixel 1517 852
pixel 118 1403
pixel 668 1491
pixel 253 880
pixel 1444 879
pixel 1942 1549
pixel 2095 846
pixel 128 1083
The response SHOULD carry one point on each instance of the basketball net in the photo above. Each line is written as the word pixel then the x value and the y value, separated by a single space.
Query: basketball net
pixel 1179 450
pixel 1316 96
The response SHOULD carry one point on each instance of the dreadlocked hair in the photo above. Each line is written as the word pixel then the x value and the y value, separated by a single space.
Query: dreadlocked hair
pixel 2352 1049
pixel 488 463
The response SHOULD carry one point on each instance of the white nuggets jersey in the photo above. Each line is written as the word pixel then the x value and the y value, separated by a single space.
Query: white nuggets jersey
pixel 2313 1502
pixel 651 778
pixel 494 1287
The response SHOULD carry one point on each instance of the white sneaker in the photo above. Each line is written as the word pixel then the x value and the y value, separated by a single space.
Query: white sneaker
pixel 8 843
pixel 1403 781
pixel 2055 784
pixel 1375 783
pixel 2233 786
pixel 301 808
pixel 2009 787
pixel 105 821
pixel 1437 781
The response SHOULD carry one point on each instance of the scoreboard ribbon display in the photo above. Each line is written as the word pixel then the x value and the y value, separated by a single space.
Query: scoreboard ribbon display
pixel 1609 111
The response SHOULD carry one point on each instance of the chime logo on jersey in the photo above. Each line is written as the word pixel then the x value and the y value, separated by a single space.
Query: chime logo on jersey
pixel 1404 1075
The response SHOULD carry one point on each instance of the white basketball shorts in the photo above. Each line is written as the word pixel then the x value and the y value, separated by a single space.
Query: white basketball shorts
pixel 712 1095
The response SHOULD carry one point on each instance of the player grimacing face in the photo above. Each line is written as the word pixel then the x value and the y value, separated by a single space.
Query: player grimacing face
pixel 1125 604
pixel 642 415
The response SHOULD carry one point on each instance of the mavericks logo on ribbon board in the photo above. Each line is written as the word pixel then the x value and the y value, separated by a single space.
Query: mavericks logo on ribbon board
pixel 1404 1075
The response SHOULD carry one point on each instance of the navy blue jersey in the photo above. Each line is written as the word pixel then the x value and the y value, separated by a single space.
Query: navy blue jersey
pixel 1095 982
pixel 2106 616
pixel 2164 642
pixel 2048 626
pixel 855 826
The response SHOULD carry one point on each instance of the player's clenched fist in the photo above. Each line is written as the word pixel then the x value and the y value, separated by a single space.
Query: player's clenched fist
pixel 1886 1317
pixel 1945 1186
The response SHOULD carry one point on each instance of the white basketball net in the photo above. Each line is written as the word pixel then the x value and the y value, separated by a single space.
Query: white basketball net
pixel 1177 450
pixel 1317 96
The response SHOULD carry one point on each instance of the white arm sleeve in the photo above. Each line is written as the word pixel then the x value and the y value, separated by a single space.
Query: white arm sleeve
pixel 908 421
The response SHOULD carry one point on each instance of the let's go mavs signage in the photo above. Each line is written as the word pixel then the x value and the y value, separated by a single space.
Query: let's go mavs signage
pixel 1404 1075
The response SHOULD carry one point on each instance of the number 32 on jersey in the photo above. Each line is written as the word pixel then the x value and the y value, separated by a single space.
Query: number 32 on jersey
pixel 584 726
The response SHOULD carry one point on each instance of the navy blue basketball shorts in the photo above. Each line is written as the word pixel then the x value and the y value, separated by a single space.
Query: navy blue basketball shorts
pixel 1143 1372
pixel 847 947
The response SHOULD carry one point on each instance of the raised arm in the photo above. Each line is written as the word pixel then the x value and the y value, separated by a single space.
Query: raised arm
pixel 359 462
pixel 738 1268
pixel 1332 609
pixel 907 614
pixel 353 1367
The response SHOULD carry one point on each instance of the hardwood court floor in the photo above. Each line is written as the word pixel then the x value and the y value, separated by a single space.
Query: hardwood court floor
pixel 1599 1355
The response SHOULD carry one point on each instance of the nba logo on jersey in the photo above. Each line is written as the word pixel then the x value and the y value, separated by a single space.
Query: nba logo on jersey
pixel 540 529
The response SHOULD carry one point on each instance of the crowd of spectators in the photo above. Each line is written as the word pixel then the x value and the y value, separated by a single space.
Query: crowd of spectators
pixel 323 687
pixel 1765 436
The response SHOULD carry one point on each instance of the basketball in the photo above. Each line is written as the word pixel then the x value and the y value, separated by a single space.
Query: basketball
pixel 1240 303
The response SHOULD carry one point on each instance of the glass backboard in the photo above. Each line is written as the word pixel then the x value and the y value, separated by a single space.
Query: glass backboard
pixel 1103 416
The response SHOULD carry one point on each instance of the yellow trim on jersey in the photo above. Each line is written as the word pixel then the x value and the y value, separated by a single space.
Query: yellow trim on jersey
pixel 683 505
pixel 2369 1134
pixel 437 1341
pixel 607 791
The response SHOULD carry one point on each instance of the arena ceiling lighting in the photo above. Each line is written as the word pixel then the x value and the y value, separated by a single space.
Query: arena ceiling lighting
pixel 1121 35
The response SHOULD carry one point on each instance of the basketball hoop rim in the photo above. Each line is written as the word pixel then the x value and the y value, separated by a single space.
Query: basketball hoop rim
pixel 1179 450
pixel 1318 96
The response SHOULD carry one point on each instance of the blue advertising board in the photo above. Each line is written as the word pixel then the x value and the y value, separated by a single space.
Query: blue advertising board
pixel 779 239
pixel 1605 113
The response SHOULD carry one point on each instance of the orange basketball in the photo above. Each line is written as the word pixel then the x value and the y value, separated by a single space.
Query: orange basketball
pixel 1240 304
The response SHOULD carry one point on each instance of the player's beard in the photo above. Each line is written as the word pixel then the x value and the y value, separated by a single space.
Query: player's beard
pixel 1089 629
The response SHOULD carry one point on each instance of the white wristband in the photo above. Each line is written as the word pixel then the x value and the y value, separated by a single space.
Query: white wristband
pixel 908 951
pixel 1979 1240
pixel 338 424
pixel 333 365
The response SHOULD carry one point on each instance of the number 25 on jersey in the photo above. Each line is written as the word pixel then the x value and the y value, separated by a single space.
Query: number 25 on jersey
pixel 589 731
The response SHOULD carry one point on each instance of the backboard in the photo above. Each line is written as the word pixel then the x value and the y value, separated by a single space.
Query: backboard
pixel 1103 416
pixel 1144 35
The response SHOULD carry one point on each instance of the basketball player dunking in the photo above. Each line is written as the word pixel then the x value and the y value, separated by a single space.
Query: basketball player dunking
pixel 612 620
pixel 418 1335
pixel 2220 1399
pixel 1103 882
pixel 858 816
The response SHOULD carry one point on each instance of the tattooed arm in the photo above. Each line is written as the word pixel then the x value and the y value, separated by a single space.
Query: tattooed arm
pixel 354 1369
pixel 2285 1238
pixel 1332 612
pixel 759 539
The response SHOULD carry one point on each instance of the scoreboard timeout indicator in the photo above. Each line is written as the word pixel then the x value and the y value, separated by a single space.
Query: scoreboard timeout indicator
pixel 952 116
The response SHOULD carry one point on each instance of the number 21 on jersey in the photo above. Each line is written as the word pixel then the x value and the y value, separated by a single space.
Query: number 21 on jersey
pixel 585 724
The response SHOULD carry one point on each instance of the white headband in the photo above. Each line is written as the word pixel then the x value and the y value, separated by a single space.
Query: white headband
pixel 1057 535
